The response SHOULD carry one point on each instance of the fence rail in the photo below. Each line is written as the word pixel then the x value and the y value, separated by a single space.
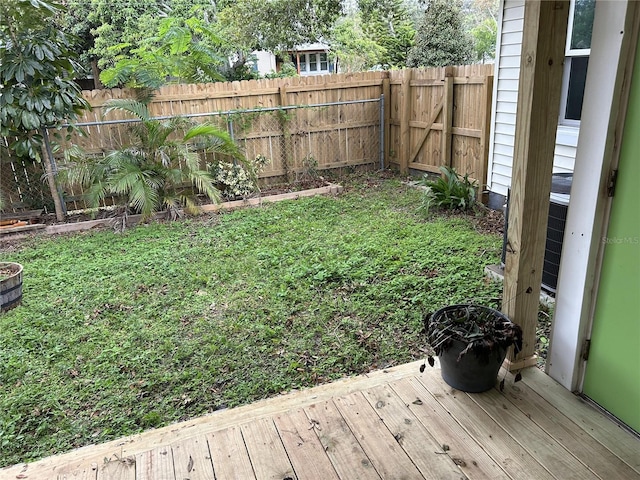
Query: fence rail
pixel 429 118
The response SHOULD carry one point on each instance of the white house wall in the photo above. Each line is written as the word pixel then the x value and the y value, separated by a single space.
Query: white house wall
pixel 265 62
pixel 505 101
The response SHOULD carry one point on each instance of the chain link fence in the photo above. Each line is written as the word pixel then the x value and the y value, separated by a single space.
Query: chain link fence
pixel 23 185
pixel 299 143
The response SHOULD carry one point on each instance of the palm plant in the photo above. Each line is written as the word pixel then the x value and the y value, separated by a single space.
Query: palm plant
pixel 450 191
pixel 159 170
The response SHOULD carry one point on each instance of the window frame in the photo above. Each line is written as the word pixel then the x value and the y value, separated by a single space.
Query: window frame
pixel 315 58
pixel 570 53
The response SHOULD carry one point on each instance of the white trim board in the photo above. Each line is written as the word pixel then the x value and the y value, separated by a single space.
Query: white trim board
pixel 598 147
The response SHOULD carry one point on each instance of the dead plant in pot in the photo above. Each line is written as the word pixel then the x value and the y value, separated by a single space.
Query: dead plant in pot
pixel 471 342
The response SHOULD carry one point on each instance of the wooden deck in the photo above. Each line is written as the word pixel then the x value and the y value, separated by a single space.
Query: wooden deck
pixel 391 424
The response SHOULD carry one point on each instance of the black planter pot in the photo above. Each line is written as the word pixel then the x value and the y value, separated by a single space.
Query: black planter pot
pixel 470 372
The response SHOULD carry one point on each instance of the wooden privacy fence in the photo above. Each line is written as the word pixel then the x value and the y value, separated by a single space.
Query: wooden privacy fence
pixel 439 117
pixel 432 117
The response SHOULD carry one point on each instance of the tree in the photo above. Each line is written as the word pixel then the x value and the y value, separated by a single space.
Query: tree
pixel 74 21
pixel 278 25
pixel 480 20
pixel 484 36
pixel 441 39
pixel 583 24
pixel 183 50
pixel 388 24
pixel 37 90
pixel 354 49
pixel 111 31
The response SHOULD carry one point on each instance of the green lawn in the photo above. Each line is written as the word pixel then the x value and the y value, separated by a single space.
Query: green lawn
pixel 119 333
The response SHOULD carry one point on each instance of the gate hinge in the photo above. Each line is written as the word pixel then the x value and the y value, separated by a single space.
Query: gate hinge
pixel 613 179
pixel 586 346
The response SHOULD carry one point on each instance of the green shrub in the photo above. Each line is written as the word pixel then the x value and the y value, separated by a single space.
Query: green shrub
pixel 235 180
pixel 159 170
pixel 450 191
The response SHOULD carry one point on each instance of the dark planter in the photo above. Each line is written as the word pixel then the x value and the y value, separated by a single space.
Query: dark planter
pixel 474 371
pixel 470 373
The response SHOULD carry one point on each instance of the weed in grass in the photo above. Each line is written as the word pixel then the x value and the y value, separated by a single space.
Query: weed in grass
pixel 168 321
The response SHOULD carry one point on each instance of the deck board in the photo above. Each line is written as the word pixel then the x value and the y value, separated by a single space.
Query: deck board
pixel 583 446
pixel 266 451
pixel 413 437
pixel 395 423
pixel 229 454
pixel 118 469
pixel 88 472
pixel 192 460
pixel 340 444
pixel 514 459
pixel 471 457
pixel 601 428
pixel 306 453
pixel 155 464
pixel 380 445
pixel 529 435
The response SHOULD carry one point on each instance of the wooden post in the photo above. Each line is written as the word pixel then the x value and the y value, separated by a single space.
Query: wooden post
pixel 405 117
pixel 447 118
pixel 386 91
pixel 541 67
pixel 287 144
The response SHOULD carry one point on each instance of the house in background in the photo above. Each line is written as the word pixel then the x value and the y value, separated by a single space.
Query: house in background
pixel 309 59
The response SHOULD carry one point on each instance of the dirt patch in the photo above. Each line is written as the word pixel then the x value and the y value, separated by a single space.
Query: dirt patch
pixel 489 221
pixel 7 271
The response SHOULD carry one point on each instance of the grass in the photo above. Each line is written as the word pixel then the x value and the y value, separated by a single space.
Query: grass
pixel 119 333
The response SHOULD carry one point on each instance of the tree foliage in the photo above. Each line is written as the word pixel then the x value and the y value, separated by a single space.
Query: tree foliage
pixel 484 36
pixel 182 50
pixel 74 21
pixel 117 31
pixel 480 20
pixel 388 24
pixel 355 50
pixel 118 28
pixel 36 74
pixel 441 39
pixel 583 24
pixel 278 25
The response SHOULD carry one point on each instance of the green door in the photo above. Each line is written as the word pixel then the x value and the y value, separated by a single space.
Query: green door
pixel 613 369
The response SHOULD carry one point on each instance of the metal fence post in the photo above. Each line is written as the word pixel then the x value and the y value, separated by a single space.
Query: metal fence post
pixel 231 135
pixel 381 151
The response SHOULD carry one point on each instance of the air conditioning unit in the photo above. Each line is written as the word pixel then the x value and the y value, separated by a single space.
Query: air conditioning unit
pixel 558 206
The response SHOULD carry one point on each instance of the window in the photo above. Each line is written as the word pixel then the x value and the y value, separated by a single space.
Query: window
pixel 577 60
pixel 324 64
pixel 314 63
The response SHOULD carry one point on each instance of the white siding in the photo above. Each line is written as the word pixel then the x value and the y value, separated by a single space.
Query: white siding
pixel 265 62
pixel 505 99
